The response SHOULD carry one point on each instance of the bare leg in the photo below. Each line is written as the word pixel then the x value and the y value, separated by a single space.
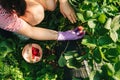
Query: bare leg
pixel 48 4
pixel 51 4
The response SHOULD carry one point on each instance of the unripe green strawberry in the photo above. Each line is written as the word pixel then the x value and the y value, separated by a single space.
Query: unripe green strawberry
pixel 102 18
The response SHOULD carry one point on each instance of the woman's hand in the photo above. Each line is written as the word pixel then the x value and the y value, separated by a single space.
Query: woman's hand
pixel 67 11
pixel 74 34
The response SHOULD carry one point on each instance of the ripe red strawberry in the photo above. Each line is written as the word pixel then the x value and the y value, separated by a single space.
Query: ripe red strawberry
pixel 35 52
pixel 80 28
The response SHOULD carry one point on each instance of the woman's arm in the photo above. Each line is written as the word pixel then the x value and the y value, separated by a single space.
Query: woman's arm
pixel 38 33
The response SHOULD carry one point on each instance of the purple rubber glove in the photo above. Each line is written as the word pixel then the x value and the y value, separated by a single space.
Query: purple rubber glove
pixel 75 34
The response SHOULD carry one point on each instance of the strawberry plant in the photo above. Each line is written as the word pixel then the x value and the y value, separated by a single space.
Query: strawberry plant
pixel 98 51
pixel 101 20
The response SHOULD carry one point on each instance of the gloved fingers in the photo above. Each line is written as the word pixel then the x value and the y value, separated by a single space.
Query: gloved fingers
pixel 75 34
pixel 82 33
pixel 79 31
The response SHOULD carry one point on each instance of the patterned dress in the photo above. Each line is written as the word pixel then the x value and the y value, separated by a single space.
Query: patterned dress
pixel 10 21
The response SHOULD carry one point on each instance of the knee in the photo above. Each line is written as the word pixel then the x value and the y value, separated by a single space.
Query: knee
pixel 51 4
pixel 51 8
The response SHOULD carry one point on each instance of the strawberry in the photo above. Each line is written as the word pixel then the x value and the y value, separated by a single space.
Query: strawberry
pixel 79 30
pixel 35 52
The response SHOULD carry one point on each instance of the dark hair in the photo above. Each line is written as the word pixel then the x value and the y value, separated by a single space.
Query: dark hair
pixel 18 5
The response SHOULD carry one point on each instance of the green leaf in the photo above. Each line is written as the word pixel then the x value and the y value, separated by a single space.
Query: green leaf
pixel 97 56
pixel 107 70
pixel 102 54
pixel 104 40
pixel 108 24
pixel 117 75
pixel 113 58
pixel 51 57
pixel 62 61
pixel 115 23
pixel 89 14
pixel 110 69
pixel 73 63
pixel 89 42
pixel 80 58
pixel 69 54
pixel 114 35
pixel 91 23
pixel 81 17
pixel 67 57
pixel 94 75
pixel 117 66
pixel 5 49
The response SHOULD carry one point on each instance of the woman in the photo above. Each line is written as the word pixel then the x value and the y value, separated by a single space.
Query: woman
pixel 21 16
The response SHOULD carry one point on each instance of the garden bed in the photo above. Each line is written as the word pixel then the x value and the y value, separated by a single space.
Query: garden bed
pixel 95 57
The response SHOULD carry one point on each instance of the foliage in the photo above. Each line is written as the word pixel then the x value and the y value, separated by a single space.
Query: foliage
pixel 100 45
pixel 13 66
pixel 101 20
